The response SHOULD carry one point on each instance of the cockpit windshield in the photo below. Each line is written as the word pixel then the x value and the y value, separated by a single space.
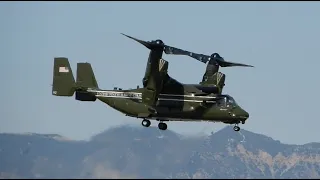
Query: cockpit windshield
pixel 229 101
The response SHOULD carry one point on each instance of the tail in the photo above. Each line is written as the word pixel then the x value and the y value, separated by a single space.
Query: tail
pixel 64 83
pixel 63 80
pixel 85 77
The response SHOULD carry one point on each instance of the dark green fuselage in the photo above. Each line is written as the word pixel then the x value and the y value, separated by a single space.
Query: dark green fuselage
pixel 172 107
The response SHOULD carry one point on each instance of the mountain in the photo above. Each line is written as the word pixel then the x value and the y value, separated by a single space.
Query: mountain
pixel 137 152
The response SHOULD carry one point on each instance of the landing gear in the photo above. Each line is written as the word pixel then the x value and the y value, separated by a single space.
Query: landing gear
pixel 162 126
pixel 236 128
pixel 146 123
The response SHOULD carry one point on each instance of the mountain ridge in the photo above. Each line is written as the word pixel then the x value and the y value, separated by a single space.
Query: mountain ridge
pixel 58 136
pixel 133 152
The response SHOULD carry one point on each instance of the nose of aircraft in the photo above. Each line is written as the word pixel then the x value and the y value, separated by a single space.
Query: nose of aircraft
pixel 243 114
pixel 239 113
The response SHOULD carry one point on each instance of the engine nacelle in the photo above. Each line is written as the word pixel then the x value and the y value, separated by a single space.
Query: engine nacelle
pixel 85 96
pixel 217 79
pixel 208 89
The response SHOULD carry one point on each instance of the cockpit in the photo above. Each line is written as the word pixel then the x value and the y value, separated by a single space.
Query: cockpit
pixel 227 101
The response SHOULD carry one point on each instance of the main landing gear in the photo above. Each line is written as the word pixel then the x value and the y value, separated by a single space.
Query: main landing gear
pixel 161 125
pixel 146 123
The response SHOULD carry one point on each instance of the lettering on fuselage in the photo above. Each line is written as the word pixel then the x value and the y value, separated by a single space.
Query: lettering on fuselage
pixel 130 95
pixel 162 97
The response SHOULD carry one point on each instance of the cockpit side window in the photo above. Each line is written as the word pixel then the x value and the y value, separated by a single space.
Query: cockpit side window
pixel 222 102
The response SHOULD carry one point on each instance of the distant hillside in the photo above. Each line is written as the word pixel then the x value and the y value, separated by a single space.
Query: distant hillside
pixel 137 152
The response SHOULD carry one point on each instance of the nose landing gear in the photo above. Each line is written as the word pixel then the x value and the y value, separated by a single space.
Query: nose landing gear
pixel 236 128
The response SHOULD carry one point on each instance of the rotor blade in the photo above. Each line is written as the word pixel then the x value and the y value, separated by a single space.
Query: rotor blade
pixel 201 57
pixel 230 64
pixel 145 43
pixel 177 51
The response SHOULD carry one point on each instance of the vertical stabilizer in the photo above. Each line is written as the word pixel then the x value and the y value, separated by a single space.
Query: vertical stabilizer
pixel 85 76
pixel 63 80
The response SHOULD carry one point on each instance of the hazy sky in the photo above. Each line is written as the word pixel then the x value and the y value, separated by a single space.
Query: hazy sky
pixel 281 39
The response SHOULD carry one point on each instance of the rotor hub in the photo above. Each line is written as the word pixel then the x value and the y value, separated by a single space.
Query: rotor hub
pixel 215 55
pixel 158 42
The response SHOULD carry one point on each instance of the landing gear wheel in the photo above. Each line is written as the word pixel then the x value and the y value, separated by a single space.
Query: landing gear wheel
pixel 146 123
pixel 236 128
pixel 162 126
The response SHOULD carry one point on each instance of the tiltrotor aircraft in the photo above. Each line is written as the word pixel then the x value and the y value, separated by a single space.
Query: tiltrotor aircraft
pixel 161 98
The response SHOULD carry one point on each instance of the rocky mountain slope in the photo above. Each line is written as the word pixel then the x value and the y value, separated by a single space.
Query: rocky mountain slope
pixel 137 152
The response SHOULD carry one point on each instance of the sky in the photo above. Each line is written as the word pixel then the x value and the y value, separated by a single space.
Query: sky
pixel 281 39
